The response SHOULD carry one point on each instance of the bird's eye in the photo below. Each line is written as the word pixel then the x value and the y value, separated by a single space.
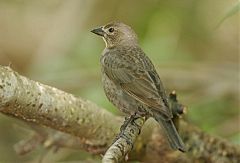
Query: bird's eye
pixel 111 30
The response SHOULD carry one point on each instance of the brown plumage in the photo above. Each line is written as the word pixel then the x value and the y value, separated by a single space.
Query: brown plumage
pixel 130 80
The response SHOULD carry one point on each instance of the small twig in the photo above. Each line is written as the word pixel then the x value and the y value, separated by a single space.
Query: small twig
pixel 177 109
pixel 52 139
pixel 27 145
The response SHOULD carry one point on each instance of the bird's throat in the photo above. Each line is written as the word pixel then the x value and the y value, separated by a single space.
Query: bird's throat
pixel 105 42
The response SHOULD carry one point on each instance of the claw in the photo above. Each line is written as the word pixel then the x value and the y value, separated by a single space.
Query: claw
pixel 127 121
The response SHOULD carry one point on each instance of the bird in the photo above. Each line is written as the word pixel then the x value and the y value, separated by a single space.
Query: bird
pixel 130 80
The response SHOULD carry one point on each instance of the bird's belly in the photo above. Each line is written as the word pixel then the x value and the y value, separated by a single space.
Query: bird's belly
pixel 119 98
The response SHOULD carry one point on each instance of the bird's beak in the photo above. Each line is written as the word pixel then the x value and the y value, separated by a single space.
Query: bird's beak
pixel 98 31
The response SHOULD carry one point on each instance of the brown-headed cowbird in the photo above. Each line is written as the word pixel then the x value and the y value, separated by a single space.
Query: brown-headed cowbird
pixel 130 80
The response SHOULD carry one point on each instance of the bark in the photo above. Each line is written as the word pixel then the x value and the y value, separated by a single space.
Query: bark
pixel 92 128
pixel 118 151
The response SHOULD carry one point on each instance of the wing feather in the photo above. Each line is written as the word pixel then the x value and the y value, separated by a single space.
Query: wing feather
pixel 138 78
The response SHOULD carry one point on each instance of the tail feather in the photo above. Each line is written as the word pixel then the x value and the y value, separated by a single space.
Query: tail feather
pixel 174 139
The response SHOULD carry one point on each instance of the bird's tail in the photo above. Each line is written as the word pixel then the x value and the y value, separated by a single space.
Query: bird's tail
pixel 174 139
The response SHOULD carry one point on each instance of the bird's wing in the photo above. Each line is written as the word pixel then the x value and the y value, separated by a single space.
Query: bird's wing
pixel 138 78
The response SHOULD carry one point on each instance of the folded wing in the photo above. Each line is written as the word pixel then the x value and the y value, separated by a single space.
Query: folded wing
pixel 137 77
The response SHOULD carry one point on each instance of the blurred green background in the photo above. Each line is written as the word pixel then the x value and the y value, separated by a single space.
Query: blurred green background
pixel 193 44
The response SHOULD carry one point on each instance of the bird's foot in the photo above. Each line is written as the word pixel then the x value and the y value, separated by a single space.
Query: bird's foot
pixel 127 139
pixel 122 135
pixel 127 121
pixel 136 116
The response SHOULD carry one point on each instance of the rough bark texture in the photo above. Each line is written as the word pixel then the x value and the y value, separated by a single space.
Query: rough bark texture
pixel 123 145
pixel 41 104
pixel 94 129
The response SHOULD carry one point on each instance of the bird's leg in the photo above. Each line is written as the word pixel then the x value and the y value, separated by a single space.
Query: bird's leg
pixel 126 122
pixel 135 124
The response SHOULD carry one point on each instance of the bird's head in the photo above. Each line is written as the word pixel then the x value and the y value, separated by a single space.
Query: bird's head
pixel 116 34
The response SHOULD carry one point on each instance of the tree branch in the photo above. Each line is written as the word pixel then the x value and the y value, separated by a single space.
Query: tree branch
pixel 41 104
pixel 94 128
pixel 123 145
